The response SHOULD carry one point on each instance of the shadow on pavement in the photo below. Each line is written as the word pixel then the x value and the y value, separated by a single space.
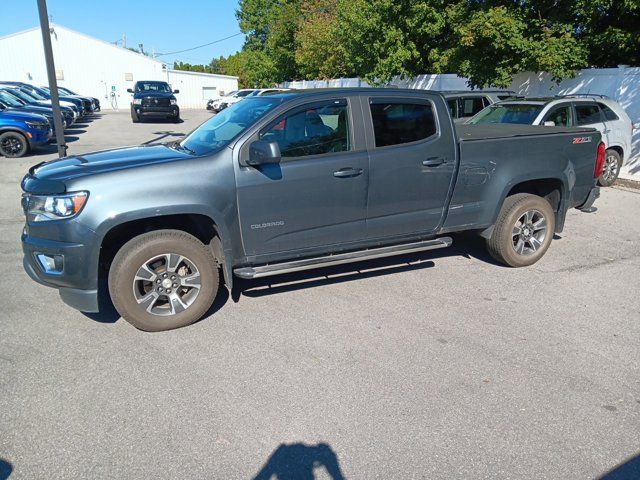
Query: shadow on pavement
pixel 5 469
pixel 298 461
pixel 629 470
pixel 467 246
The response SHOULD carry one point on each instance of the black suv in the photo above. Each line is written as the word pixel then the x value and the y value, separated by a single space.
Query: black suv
pixel 154 99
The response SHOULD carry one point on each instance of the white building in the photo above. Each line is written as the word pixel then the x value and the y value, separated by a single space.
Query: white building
pixel 100 69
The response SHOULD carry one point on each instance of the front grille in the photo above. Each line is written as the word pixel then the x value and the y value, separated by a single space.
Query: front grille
pixel 156 102
pixel 87 105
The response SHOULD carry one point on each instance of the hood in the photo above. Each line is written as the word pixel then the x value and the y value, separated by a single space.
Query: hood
pixel 21 116
pixel 52 175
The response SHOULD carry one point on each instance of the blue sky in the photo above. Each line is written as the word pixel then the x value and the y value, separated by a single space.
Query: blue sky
pixel 163 25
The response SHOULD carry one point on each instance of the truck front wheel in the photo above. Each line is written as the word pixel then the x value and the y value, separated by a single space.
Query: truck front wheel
pixel 163 280
pixel 523 232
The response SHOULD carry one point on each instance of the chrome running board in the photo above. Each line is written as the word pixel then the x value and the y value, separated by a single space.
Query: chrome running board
pixel 341 258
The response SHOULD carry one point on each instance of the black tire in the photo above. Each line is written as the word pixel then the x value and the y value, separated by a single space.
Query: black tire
pixel 520 250
pixel 13 145
pixel 176 120
pixel 134 117
pixel 612 165
pixel 128 290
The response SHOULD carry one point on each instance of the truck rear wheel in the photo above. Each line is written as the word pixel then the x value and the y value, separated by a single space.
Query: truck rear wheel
pixel 163 280
pixel 523 232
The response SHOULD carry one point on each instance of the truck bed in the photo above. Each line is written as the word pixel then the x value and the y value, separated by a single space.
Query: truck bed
pixel 467 133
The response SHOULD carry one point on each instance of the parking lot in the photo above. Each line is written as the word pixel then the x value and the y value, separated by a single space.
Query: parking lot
pixel 435 365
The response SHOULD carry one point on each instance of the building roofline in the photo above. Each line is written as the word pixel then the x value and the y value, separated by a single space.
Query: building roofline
pixel 62 27
pixel 188 72
pixel 19 33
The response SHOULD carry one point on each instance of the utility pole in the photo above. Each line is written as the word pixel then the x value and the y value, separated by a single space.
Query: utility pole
pixel 51 74
pixel 124 40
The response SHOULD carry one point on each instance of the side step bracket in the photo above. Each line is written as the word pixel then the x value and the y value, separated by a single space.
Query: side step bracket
pixel 341 258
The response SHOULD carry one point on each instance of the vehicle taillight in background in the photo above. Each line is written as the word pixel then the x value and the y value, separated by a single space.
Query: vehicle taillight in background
pixel 599 160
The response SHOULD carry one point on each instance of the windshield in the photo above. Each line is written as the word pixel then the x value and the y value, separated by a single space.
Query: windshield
pixel 244 93
pixel 22 95
pixel 36 95
pixel 162 87
pixel 523 113
pixel 10 100
pixel 66 90
pixel 220 130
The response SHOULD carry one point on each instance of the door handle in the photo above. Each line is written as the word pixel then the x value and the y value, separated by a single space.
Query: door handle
pixel 433 161
pixel 347 172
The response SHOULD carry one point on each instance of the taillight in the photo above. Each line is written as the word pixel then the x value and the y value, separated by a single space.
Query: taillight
pixel 599 160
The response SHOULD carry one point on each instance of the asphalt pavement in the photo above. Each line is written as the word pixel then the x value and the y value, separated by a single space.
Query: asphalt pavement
pixel 439 365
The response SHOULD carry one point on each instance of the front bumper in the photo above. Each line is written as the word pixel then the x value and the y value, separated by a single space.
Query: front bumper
pixel 39 137
pixel 77 275
pixel 153 111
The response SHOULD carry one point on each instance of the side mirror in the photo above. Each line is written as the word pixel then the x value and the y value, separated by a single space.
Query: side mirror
pixel 129 90
pixel 176 91
pixel 549 123
pixel 262 152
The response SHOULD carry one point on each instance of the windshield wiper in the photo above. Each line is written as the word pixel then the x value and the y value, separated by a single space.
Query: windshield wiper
pixel 177 146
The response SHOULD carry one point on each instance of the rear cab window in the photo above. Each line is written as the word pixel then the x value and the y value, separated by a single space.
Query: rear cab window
pixel 400 121
pixel 472 105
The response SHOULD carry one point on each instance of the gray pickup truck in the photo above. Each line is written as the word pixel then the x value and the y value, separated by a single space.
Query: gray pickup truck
pixel 295 181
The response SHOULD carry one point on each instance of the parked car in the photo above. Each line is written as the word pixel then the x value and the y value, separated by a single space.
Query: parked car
pixel 96 102
pixel 32 99
pixel 219 104
pixel 294 181
pixel 594 111
pixel 464 104
pixel 154 99
pixel 84 105
pixel 9 103
pixel 89 103
pixel 20 132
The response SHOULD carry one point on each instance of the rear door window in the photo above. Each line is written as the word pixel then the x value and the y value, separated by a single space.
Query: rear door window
pixel 588 114
pixel 562 116
pixel 402 121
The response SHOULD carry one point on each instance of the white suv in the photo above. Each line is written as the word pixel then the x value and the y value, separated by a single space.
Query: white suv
pixel 596 111
pixel 223 102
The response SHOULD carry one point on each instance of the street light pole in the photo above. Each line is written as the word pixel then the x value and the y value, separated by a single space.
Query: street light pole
pixel 51 74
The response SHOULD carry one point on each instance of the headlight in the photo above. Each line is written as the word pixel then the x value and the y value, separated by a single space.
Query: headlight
pixel 137 101
pixel 42 208
pixel 173 101
pixel 38 125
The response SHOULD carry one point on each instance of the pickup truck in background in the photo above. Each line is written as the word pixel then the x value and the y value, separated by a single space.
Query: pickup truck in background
pixel 153 99
pixel 294 181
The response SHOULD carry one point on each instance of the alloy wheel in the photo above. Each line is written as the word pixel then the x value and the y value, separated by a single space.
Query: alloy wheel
pixel 166 284
pixel 529 232
pixel 610 170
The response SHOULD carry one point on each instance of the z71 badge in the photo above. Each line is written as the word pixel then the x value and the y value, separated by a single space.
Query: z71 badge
pixel 581 140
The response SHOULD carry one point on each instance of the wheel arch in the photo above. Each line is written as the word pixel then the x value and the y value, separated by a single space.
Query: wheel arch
pixel 202 226
pixel 552 188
